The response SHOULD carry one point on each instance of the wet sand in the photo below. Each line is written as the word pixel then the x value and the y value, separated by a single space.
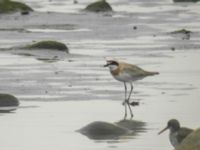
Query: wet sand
pixel 60 97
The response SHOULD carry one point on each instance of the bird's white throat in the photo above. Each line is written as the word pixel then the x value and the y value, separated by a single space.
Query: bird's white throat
pixel 113 67
pixel 173 138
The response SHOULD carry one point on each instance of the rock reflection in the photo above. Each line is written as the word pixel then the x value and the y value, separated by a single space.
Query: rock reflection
pixel 8 109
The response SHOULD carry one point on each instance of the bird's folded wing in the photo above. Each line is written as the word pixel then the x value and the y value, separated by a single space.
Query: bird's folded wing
pixel 183 134
pixel 135 71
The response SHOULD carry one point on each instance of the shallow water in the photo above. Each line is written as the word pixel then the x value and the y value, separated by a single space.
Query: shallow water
pixel 60 97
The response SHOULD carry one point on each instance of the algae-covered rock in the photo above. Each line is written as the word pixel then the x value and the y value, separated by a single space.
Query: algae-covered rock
pixel 194 1
pixel 8 102
pixel 7 6
pixel 47 51
pixel 191 142
pixel 53 45
pixel 99 6
pixel 102 130
pixel 181 31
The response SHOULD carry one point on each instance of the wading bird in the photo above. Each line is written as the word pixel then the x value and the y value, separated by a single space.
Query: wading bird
pixel 127 73
pixel 177 133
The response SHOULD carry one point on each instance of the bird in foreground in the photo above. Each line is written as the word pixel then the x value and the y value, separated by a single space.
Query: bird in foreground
pixel 127 73
pixel 177 133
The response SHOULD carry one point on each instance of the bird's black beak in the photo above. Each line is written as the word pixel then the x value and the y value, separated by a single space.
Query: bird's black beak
pixel 106 65
pixel 163 130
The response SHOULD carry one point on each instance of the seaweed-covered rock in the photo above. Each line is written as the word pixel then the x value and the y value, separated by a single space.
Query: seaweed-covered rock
pixel 7 6
pixel 191 142
pixel 99 6
pixel 53 45
pixel 100 130
pixel 194 1
pixel 8 102
pixel 181 31
pixel 103 130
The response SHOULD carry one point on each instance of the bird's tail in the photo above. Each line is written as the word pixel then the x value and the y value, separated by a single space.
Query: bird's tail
pixel 152 73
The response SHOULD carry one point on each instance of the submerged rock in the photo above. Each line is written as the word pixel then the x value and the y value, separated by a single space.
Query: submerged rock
pixel 182 31
pixel 103 130
pixel 100 130
pixel 53 45
pixel 47 51
pixel 99 6
pixel 7 6
pixel 186 1
pixel 185 34
pixel 8 102
pixel 191 142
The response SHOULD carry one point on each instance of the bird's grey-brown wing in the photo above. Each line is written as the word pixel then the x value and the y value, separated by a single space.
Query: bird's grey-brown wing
pixel 183 133
pixel 136 71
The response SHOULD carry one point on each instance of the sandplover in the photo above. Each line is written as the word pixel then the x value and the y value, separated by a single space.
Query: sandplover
pixel 127 73
pixel 177 133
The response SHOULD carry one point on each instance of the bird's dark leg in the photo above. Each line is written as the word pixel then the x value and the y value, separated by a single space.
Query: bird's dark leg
pixel 125 101
pixel 128 103
pixel 130 91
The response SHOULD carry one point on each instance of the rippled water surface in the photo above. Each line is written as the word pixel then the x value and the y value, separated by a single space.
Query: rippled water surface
pixel 59 96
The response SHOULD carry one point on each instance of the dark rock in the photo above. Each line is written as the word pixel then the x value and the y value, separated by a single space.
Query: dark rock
pixel 99 130
pixel 191 142
pixel 7 6
pixel 99 6
pixel 47 51
pixel 182 31
pixel 103 130
pixel 8 100
pixel 75 2
pixel 8 103
pixel 135 28
pixel 173 49
pixel 194 1
pixel 53 45
pixel 185 34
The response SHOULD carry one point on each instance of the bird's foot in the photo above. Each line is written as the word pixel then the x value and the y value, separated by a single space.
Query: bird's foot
pixel 131 116
pixel 134 103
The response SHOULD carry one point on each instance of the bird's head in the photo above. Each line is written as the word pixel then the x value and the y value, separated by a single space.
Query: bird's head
pixel 112 64
pixel 172 124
